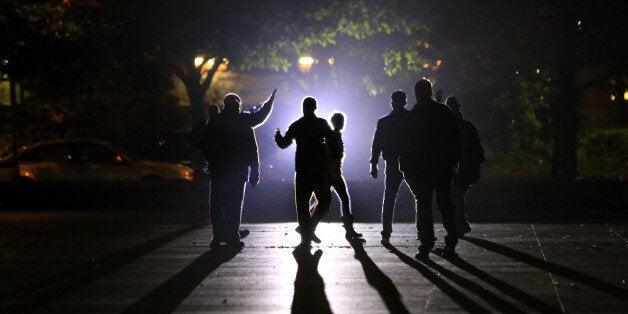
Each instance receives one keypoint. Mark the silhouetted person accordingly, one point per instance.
(428, 161)
(335, 154)
(310, 133)
(388, 141)
(230, 147)
(471, 156)
(196, 133)
(194, 138)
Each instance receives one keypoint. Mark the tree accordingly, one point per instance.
(274, 35)
(84, 83)
(493, 47)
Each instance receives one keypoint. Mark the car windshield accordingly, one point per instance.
(130, 156)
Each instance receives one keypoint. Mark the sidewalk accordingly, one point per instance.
(511, 268)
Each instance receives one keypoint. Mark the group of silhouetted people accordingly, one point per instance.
(423, 146)
(318, 167)
(431, 147)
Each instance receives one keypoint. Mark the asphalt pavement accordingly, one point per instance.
(147, 251)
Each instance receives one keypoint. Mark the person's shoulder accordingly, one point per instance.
(296, 122)
(440, 105)
(396, 114)
(321, 121)
(244, 115)
(467, 124)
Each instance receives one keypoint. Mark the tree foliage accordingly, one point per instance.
(274, 35)
(495, 48)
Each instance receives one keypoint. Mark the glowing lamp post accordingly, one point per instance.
(305, 63)
(198, 62)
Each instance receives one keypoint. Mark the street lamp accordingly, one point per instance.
(198, 61)
(305, 63)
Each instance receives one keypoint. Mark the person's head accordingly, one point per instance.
(452, 103)
(423, 89)
(233, 104)
(309, 106)
(212, 111)
(398, 99)
(338, 120)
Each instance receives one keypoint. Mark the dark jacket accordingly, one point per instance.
(230, 147)
(388, 138)
(432, 145)
(472, 152)
(310, 133)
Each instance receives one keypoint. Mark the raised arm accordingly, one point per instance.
(258, 118)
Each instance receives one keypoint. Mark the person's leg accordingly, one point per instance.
(215, 213)
(422, 190)
(340, 186)
(458, 192)
(233, 211)
(302, 194)
(393, 181)
(448, 212)
(322, 191)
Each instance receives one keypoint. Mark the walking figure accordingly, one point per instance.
(335, 154)
(388, 141)
(428, 161)
(471, 156)
(311, 173)
(230, 148)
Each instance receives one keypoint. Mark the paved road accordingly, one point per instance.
(143, 262)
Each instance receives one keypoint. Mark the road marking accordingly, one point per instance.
(538, 242)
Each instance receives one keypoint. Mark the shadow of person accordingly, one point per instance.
(167, 296)
(556, 269)
(465, 302)
(503, 286)
(498, 302)
(378, 280)
(309, 287)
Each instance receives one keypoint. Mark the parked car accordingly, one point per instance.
(90, 160)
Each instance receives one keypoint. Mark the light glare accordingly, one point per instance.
(307, 60)
(198, 61)
(305, 63)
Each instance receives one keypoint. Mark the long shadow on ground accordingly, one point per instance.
(167, 297)
(56, 286)
(309, 287)
(465, 302)
(376, 278)
(503, 286)
(556, 269)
